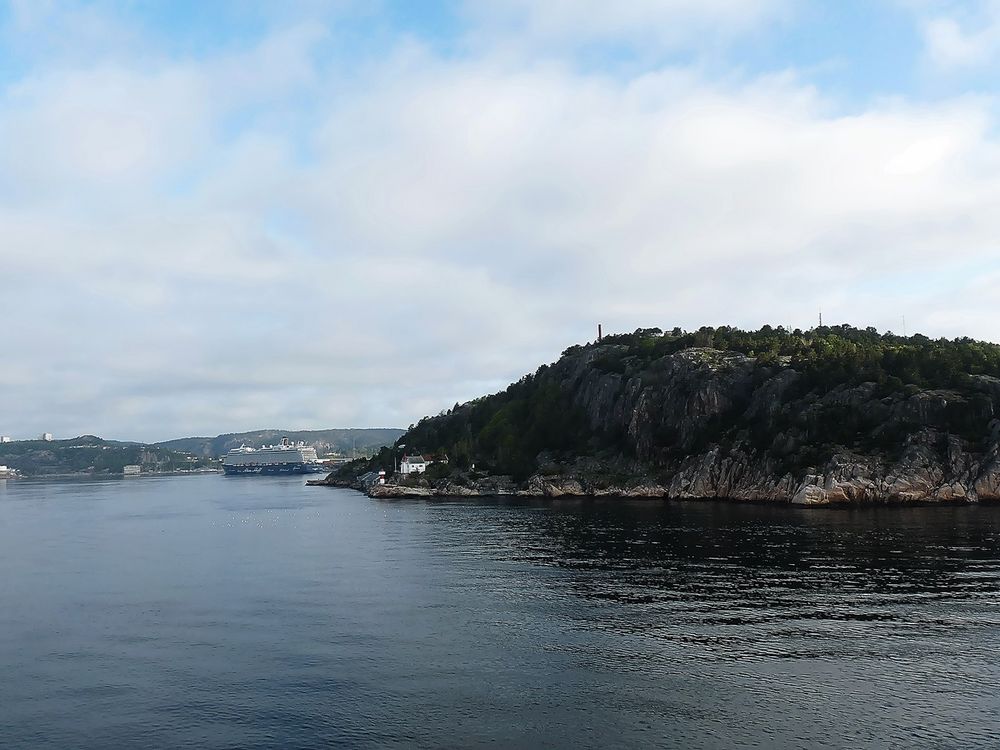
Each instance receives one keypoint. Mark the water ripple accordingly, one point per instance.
(201, 613)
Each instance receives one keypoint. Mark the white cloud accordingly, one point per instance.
(961, 35)
(686, 24)
(104, 126)
(188, 248)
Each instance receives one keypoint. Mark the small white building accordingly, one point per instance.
(132, 470)
(4, 438)
(47, 437)
(415, 464)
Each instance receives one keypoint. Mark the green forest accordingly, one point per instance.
(829, 355)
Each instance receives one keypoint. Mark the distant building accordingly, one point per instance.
(4, 438)
(47, 437)
(132, 470)
(415, 464)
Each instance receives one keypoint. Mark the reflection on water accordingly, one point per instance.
(764, 581)
(207, 612)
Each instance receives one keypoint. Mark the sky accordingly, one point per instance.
(329, 213)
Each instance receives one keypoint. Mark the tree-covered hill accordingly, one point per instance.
(342, 441)
(88, 454)
(756, 414)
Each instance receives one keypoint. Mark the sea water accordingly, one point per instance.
(252, 612)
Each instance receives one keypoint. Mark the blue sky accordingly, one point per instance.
(854, 48)
(229, 215)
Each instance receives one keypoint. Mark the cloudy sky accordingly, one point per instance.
(221, 215)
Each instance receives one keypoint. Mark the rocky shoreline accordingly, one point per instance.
(498, 487)
(934, 469)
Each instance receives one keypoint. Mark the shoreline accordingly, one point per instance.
(541, 490)
(88, 475)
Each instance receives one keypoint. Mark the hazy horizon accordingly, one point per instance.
(141, 439)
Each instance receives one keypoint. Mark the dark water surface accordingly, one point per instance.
(213, 612)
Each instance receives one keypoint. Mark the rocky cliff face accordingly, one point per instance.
(669, 413)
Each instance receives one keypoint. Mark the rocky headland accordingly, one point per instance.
(831, 416)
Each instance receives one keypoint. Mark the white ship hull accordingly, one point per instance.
(276, 459)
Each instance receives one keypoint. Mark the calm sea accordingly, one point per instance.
(215, 612)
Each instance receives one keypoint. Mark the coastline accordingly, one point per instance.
(553, 487)
(91, 475)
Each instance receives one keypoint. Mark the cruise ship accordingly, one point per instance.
(284, 458)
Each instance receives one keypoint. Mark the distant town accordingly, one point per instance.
(45, 436)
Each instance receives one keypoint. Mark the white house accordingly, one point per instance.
(414, 464)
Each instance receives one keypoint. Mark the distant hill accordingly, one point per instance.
(91, 455)
(343, 441)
